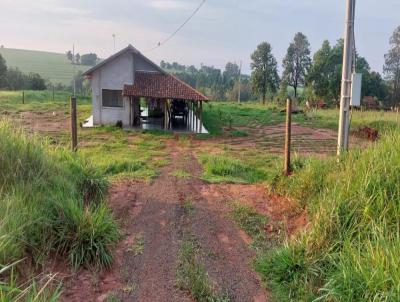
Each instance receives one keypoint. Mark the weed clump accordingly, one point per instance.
(350, 250)
(51, 202)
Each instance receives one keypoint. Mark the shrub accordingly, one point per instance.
(350, 251)
(51, 201)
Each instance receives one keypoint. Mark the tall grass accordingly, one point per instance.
(51, 202)
(223, 168)
(350, 251)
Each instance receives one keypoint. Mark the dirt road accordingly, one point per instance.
(147, 257)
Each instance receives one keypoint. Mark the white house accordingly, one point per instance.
(127, 79)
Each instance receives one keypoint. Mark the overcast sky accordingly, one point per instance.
(223, 30)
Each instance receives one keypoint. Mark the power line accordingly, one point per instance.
(159, 44)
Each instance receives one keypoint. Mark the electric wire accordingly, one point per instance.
(159, 44)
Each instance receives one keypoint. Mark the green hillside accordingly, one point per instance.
(51, 66)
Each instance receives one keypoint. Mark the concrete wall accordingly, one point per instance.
(114, 75)
(142, 65)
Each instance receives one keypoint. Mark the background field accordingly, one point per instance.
(51, 66)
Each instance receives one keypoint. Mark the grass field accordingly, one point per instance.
(51, 202)
(51, 66)
(348, 252)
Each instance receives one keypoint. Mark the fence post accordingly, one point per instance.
(288, 168)
(74, 133)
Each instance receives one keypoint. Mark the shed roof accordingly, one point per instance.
(128, 49)
(162, 86)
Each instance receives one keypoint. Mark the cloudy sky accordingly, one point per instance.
(223, 30)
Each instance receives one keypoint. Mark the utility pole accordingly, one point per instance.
(73, 67)
(288, 137)
(240, 81)
(74, 128)
(348, 56)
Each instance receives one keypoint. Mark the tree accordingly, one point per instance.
(163, 65)
(231, 74)
(91, 59)
(69, 55)
(264, 76)
(16, 79)
(35, 82)
(375, 86)
(3, 72)
(326, 72)
(297, 62)
(392, 67)
(77, 58)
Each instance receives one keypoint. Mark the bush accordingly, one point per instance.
(51, 201)
(350, 250)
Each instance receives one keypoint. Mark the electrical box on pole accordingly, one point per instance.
(356, 85)
(345, 95)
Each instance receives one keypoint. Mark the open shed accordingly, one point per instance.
(129, 88)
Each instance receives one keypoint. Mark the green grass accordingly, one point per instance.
(51, 202)
(253, 223)
(192, 276)
(111, 151)
(41, 102)
(179, 173)
(138, 246)
(238, 133)
(219, 115)
(247, 167)
(329, 118)
(51, 66)
(108, 148)
(350, 251)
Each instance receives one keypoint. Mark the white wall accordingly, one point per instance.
(113, 75)
(142, 65)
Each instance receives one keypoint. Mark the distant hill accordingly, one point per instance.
(51, 66)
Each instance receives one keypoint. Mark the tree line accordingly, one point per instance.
(319, 77)
(14, 79)
(89, 59)
(216, 83)
(306, 77)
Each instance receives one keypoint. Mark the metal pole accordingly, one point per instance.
(348, 55)
(240, 80)
(288, 137)
(201, 116)
(53, 92)
(74, 129)
(73, 67)
(23, 97)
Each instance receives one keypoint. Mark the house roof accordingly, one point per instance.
(163, 86)
(128, 49)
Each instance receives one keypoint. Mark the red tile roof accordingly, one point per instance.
(161, 86)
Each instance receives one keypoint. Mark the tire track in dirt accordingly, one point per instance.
(151, 216)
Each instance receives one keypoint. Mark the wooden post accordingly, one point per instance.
(201, 116)
(165, 115)
(288, 169)
(23, 97)
(74, 130)
(193, 117)
(196, 120)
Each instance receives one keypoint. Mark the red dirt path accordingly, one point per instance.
(153, 211)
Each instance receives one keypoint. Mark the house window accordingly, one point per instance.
(112, 98)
